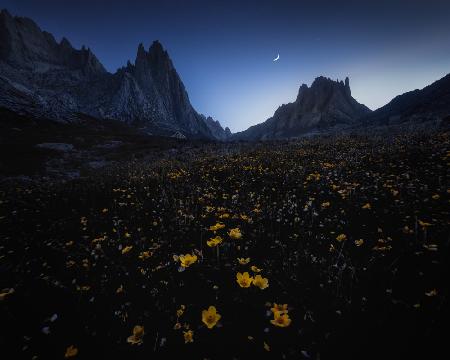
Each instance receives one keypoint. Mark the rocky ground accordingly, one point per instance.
(351, 233)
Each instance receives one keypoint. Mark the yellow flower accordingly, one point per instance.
(235, 234)
(126, 249)
(341, 237)
(71, 351)
(216, 227)
(188, 336)
(261, 282)
(279, 308)
(325, 204)
(119, 289)
(243, 261)
(424, 224)
(280, 319)
(127, 235)
(210, 317)
(244, 280)
(255, 269)
(145, 255)
(138, 334)
(435, 197)
(187, 260)
(180, 311)
(367, 206)
(214, 241)
(6, 292)
(359, 242)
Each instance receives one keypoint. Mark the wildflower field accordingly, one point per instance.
(323, 248)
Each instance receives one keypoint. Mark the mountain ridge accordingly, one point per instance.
(44, 78)
(430, 104)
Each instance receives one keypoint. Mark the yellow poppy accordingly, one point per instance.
(126, 249)
(187, 260)
(279, 308)
(244, 280)
(341, 237)
(359, 242)
(281, 319)
(216, 227)
(137, 337)
(5, 292)
(71, 351)
(235, 234)
(180, 311)
(145, 255)
(424, 224)
(262, 283)
(214, 241)
(210, 317)
(244, 261)
(188, 336)
(255, 269)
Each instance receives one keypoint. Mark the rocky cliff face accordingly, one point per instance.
(217, 129)
(44, 78)
(324, 106)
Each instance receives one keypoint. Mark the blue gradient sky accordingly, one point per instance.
(223, 50)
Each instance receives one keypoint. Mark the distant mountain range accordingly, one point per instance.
(42, 78)
(328, 107)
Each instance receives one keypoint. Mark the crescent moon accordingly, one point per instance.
(276, 59)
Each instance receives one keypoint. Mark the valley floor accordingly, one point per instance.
(350, 232)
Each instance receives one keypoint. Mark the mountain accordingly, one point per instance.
(430, 105)
(47, 79)
(326, 105)
(216, 129)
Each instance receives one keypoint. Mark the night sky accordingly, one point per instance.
(223, 50)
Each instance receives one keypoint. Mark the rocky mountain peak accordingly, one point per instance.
(301, 91)
(347, 86)
(23, 45)
(156, 48)
(326, 104)
(65, 44)
(216, 129)
(52, 79)
(141, 53)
